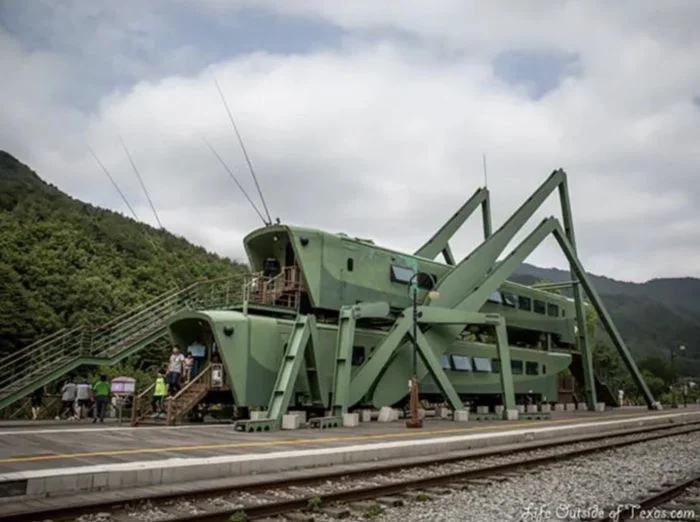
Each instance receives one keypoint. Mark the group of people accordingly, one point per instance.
(78, 400)
(180, 369)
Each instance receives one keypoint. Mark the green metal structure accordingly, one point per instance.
(326, 323)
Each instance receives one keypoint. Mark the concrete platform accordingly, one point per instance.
(62, 444)
(65, 460)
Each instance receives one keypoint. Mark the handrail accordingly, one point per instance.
(202, 374)
(43, 343)
(27, 351)
(135, 409)
(109, 338)
(173, 410)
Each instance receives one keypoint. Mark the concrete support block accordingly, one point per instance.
(599, 406)
(531, 408)
(291, 422)
(461, 416)
(582, 406)
(444, 413)
(258, 415)
(558, 407)
(545, 408)
(396, 415)
(499, 409)
(482, 409)
(386, 414)
(301, 414)
(351, 420)
(570, 406)
(421, 413)
(512, 414)
(521, 408)
(365, 415)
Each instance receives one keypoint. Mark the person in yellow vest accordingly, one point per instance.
(159, 393)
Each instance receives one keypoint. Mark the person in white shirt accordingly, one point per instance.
(174, 371)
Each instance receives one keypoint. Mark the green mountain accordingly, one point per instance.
(652, 317)
(65, 263)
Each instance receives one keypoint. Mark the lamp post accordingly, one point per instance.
(681, 348)
(414, 421)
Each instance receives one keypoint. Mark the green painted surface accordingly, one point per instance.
(252, 374)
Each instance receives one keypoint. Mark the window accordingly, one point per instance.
(531, 368)
(358, 355)
(552, 310)
(544, 369)
(495, 366)
(524, 303)
(445, 362)
(508, 299)
(482, 364)
(539, 307)
(563, 312)
(496, 298)
(516, 367)
(351, 264)
(462, 363)
(400, 274)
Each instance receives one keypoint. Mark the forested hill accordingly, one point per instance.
(64, 263)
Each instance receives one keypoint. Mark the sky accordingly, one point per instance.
(370, 118)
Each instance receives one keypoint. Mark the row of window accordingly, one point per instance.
(466, 363)
(525, 303)
(400, 274)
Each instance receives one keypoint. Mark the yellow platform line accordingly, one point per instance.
(286, 442)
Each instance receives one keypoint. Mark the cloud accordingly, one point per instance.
(373, 121)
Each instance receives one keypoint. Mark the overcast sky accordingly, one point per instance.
(369, 117)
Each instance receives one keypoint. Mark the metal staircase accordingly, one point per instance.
(175, 407)
(48, 359)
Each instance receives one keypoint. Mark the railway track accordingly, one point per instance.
(679, 502)
(362, 490)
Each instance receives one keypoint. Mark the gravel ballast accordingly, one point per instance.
(574, 490)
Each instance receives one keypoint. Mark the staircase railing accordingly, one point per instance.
(110, 339)
(137, 410)
(175, 405)
(263, 289)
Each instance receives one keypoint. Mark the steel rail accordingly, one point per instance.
(633, 509)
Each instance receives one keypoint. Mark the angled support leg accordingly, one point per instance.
(316, 385)
(341, 379)
(581, 326)
(440, 241)
(506, 372)
(606, 319)
(347, 322)
(367, 375)
(432, 363)
(303, 333)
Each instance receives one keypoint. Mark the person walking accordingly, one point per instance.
(37, 401)
(82, 395)
(100, 389)
(67, 400)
